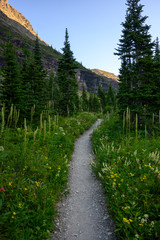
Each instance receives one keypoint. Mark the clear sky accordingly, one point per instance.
(94, 26)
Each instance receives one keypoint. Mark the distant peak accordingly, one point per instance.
(105, 74)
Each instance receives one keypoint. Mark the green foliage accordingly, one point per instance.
(127, 161)
(11, 84)
(85, 103)
(66, 81)
(34, 169)
(111, 97)
(101, 95)
(138, 86)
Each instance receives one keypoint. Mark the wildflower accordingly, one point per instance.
(137, 236)
(146, 215)
(37, 183)
(126, 220)
(12, 217)
(127, 207)
(59, 168)
(10, 183)
(130, 220)
(49, 168)
(122, 180)
(19, 205)
(140, 224)
(131, 174)
(1, 148)
(2, 189)
(14, 213)
(25, 189)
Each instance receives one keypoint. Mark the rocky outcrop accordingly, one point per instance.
(92, 81)
(18, 17)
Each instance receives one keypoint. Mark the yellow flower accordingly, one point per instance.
(130, 220)
(59, 168)
(122, 180)
(140, 224)
(37, 183)
(20, 205)
(10, 183)
(12, 216)
(14, 213)
(25, 189)
(131, 174)
(49, 168)
(126, 220)
(114, 183)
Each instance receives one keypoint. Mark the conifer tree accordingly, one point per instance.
(157, 51)
(110, 97)
(137, 84)
(27, 99)
(84, 99)
(38, 77)
(11, 84)
(157, 73)
(101, 95)
(66, 81)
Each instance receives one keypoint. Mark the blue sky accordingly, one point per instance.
(94, 26)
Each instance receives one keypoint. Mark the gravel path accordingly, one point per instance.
(83, 213)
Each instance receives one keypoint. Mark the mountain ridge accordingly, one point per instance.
(105, 74)
(15, 15)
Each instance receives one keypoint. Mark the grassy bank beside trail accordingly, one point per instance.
(129, 168)
(34, 169)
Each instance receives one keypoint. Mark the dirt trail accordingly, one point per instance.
(83, 213)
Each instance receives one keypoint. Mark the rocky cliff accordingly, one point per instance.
(92, 81)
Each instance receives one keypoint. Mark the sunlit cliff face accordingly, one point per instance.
(12, 13)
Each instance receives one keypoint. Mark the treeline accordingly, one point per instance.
(30, 88)
(140, 64)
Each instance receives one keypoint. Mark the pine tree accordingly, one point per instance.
(157, 72)
(157, 51)
(110, 97)
(27, 99)
(11, 84)
(101, 95)
(39, 76)
(84, 99)
(137, 87)
(66, 81)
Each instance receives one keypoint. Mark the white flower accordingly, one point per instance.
(1, 148)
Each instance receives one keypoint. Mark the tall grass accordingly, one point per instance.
(34, 168)
(129, 167)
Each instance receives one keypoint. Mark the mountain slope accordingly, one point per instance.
(13, 14)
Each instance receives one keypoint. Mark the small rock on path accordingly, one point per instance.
(83, 213)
